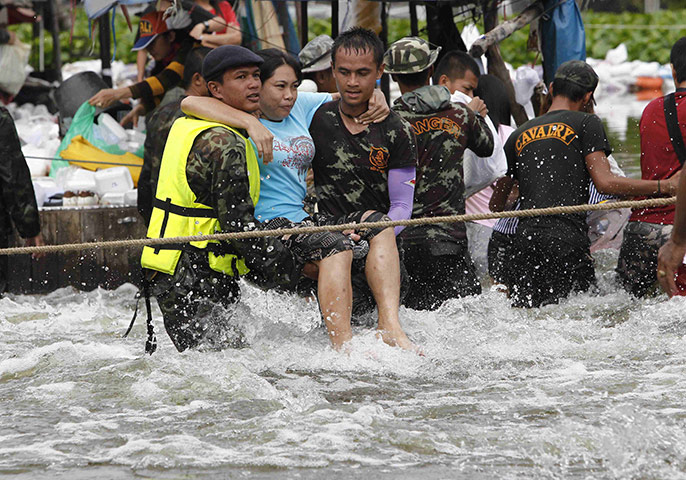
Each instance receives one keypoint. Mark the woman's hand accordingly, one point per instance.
(107, 96)
(264, 140)
(377, 111)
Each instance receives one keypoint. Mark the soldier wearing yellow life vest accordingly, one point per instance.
(209, 183)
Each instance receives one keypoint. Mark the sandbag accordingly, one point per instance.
(480, 172)
(82, 125)
(13, 61)
(82, 153)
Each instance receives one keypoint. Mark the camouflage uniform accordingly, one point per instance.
(351, 177)
(17, 198)
(192, 299)
(443, 131)
(637, 261)
(158, 126)
(409, 55)
(316, 55)
(351, 171)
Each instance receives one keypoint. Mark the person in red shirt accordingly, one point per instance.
(650, 228)
(230, 34)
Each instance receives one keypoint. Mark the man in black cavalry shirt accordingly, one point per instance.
(554, 157)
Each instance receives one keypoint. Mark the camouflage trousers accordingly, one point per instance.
(197, 304)
(637, 264)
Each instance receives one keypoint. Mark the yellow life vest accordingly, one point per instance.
(176, 212)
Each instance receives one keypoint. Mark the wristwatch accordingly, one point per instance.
(207, 24)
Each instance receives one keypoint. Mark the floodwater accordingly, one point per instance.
(592, 388)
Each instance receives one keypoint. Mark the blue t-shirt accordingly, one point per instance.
(282, 182)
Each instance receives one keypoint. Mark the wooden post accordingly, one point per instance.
(41, 37)
(334, 19)
(105, 48)
(385, 79)
(414, 24)
(56, 47)
(504, 30)
(496, 64)
(304, 37)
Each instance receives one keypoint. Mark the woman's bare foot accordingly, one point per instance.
(398, 338)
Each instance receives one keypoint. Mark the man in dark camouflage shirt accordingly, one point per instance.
(158, 127)
(217, 173)
(353, 169)
(17, 198)
(436, 256)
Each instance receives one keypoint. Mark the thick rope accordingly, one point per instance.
(653, 202)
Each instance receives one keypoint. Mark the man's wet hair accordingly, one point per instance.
(454, 65)
(678, 58)
(193, 64)
(567, 89)
(273, 59)
(417, 79)
(359, 40)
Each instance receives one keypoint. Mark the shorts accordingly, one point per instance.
(499, 257)
(433, 279)
(312, 247)
(197, 304)
(545, 269)
(637, 263)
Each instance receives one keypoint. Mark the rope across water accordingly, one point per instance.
(653, 202)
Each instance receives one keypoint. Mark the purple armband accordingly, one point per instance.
(401, 193)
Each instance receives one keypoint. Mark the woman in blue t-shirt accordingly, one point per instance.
(286, 147)
(287, 115)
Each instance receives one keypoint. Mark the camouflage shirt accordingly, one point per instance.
(444, 130)
(17, 198)
(351, 171)
(158, 126)
(218, 175)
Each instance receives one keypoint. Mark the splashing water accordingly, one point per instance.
(591, 388)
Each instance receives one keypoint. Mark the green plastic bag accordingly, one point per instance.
(82, 124)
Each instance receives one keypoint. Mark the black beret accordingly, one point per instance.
(222, 58)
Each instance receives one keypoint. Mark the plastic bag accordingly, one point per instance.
(13, 61)
(83, 124)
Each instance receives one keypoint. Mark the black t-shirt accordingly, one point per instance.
(351, 171)
(547, 156)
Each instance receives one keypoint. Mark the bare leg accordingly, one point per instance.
(383, 276)
(335, 294)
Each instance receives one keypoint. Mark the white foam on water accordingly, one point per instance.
(591, 388)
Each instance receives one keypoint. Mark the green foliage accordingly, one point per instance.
(81, 46)
(397, 28)
(651, 43)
